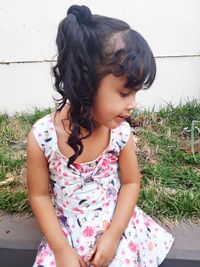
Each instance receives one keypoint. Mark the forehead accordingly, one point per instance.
(113, 81)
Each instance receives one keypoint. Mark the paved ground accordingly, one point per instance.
(19, 239)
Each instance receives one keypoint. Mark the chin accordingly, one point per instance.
(112, 124)
(115, 125)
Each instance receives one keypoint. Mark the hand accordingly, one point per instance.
(69, 258)
(104, 250)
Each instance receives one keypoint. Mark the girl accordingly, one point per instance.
(86, 150)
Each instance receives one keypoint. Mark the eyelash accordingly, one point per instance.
(123, 95)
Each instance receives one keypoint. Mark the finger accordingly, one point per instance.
(95, 265)
(91, 254)
(93, 251)
(96, 261)
(82, 262)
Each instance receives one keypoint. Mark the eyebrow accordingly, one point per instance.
(124, 87)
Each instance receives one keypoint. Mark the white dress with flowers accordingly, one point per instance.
(85, 198)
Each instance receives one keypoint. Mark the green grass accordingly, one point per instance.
(168, 151)
(171, 172)
(14, 202)
(13, 133)
(13, 137)
(30, 118)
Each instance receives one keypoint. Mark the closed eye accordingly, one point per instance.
(124, 95)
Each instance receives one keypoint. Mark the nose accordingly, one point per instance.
(131, 105)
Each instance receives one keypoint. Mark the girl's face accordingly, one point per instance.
(113, 101)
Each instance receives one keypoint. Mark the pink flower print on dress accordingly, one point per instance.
(132, 246)
(105, 164)
(134, 214)
(88, 231)
(150, 246)
(78, 210)
(147, 221)
(39, 261)
(43, 253)
(77, 166)
(81, 248)
(113, 159)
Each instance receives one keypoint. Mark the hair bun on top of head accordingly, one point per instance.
(82, 13)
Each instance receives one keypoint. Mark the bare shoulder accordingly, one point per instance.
(37, 168)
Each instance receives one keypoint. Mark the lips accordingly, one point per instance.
(123, 117)
(120, 118)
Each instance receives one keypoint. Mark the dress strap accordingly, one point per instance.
(44, 134)
(122, 134)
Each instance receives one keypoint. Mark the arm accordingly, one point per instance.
(129, 191)
(40, 201)
(106, 245)
(42, 206)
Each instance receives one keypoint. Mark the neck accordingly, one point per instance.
(63, 114)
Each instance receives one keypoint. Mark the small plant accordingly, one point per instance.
(194, 129)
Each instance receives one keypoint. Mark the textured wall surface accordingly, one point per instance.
(27, 45)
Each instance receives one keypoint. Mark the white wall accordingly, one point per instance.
(27, 45)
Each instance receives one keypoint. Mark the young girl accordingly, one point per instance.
(86, 150)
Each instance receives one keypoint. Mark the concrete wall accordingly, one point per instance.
(27, 45)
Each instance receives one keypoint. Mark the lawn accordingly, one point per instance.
(168, 150)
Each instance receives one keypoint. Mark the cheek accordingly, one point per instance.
(101, 108)
(104, 110)
(107, 104)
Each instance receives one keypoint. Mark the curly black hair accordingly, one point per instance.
(90, 47)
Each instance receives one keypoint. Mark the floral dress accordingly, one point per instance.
(85, 197)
